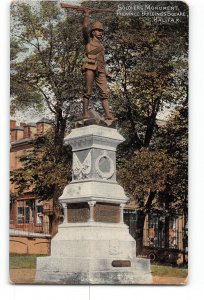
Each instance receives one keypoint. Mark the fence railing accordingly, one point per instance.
(155, 235)
(156, 238)
(30, 228)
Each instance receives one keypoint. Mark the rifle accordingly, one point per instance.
(81, 8)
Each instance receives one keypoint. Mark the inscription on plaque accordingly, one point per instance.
(109, 213)
(78, 212)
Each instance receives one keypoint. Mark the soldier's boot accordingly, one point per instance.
(85, 108)
(107, 115)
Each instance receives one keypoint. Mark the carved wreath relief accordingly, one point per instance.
(81, 170)
(104, 166)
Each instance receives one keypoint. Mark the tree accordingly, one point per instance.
(46, 54)
(48, 71)
(175, 140)
(150, 66)
(143, 176)
(149, 63)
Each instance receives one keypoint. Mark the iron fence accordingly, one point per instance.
(156, 237)
(29, 229)
(156, 233)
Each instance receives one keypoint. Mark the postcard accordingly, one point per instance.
(99, 142)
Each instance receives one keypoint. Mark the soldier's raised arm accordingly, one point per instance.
(85, 25)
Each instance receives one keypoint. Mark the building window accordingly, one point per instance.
(20, 215)
(173, 233)
(39, 214)
(159, 231)
(155, 232)
(25, 212)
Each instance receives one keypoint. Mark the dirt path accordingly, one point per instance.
(169, 280)
(22, 275)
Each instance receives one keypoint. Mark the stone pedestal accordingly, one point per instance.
(93, 245)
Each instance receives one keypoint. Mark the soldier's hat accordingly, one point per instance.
(96, 25)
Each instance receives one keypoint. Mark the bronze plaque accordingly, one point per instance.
(78, 212)
(109, 213)
(121, 263)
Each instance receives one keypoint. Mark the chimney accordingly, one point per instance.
(30, 130)
(12, 124)
(22, 124)
(16, 133)
(43, 126)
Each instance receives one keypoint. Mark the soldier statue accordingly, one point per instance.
(94, 67)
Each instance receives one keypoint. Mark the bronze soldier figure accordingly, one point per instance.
(94, 67)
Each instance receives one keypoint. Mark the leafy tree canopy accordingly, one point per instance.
(45, 59)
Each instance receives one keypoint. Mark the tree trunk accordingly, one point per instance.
(59, 133)
(166, 223)
(151, 123)
(139, 231)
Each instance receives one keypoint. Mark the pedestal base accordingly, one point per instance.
(123, 276)
(84, 253)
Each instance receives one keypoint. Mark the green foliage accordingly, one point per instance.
(162, 169)
(174, 138)
(46, 54)
(147, 170)
(149, 64)
(145, 175)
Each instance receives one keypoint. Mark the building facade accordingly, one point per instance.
(27, 213)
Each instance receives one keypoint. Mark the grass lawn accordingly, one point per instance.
(166, 271)
(22, 261)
